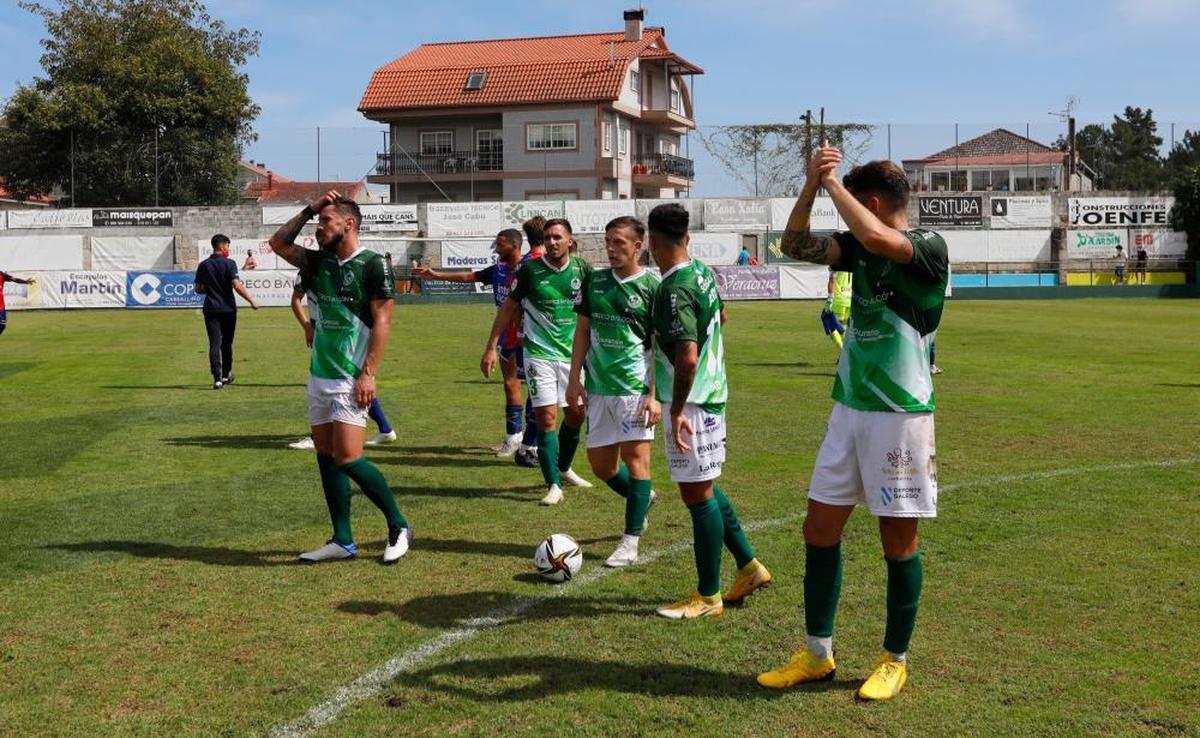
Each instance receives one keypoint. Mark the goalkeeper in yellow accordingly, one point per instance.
(836, 314)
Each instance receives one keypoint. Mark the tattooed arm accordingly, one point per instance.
(798, 241)
(283, 243)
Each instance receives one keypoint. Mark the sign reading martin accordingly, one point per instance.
(955, 211)
(132, 217)
(1021, 212)
(1097, 244)
(1108, 212)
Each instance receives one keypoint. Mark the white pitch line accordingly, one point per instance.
(372, 682)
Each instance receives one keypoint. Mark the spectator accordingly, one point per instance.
(217, 279)
(1140, 268)
(1119, 272)
(744, 257)
(250, 263)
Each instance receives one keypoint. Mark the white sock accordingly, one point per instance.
(901, 657)
(525, 448)
(820, 647)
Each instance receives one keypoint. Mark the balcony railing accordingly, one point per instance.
(398, 163)
(664, 164)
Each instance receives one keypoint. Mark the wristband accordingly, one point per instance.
(308, 211)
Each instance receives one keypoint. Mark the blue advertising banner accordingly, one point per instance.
(161, 290)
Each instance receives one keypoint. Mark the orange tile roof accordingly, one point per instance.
(548, 69)
(297, 192)
(260, 170)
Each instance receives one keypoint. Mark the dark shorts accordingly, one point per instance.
(3, 317)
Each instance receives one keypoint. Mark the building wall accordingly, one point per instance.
(520, 189)
(517, 159)
(408, 136)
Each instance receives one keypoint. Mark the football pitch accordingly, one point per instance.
(149, 527)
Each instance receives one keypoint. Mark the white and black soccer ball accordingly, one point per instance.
(558, 557)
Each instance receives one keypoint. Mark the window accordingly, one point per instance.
(666, 146)
(635, 82)
(980, 180)
(489, 149)
(475, 81)
(1000, 180)
(606, 132)
(675, 94)
(1036, 178)
(435, 143)
(939, 181)
(550, 136)
(623, 139)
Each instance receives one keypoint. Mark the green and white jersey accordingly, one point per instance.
(894, 315)
(688, 308)
(618, 360)
(339, 301)
(548, 297)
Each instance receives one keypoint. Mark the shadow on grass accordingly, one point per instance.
(207, 386)
(214, 555)
(524, 494)
(464, 609)
(257, 441)
(9, 368)
(1184, 386)
(538, 677)
(33, 454)
(488, 548)
(790, 364)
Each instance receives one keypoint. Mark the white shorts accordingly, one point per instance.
(333, 401)
(616, 419)
(547, 380)
(884, 461)
(703, 460)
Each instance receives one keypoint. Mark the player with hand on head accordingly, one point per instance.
(879, 444)
(501, 277)
(690, 377)
(614, 339)
(545, 294)
(353, 297)
(301, 290)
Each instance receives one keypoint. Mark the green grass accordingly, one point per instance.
(148, 527)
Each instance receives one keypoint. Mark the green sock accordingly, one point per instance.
(822, 586)
(903, 593)
(636, 505)
(706, 541)
(620, 482)
(337, 498)
(368, 477)
(548, 456)
(735, 537)
(568, 441)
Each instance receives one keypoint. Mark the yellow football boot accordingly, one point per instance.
(695, 606)
(750, 578)
(804, 667)
(886, 681)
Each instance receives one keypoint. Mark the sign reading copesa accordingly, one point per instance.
(959, 211)
(161, 290)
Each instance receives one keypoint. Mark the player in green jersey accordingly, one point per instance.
(690, 375)
(613, 339)
(352, 315)
(879, 446)
(545, 296)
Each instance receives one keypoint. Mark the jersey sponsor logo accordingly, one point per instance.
(933, 468)
(891, 494)
(711, 422)
(708, 448)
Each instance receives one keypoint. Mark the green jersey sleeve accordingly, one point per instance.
(377, 280)
(675, 315)
(583, 303)
(931, 258)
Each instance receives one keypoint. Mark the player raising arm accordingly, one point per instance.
(879, 446)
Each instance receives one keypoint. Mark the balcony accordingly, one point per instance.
(674, 120)
(401, 167)
(663, 170)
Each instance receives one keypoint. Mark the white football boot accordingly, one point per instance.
(381, 439)
(331, 551)
(399, 539)
(573, 479)
(510, 446)
(304, 444)
(553, 496)
(625, 554)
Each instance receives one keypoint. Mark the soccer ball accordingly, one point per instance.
(558, 558)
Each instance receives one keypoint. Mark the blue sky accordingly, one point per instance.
(921, 66)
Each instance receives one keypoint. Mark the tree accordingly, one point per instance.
(770, 159)
(148, 96)
(1185, 216)
(1135, 145)
(1184, 157)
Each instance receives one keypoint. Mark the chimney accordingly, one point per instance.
(633, 24)
(270, 180)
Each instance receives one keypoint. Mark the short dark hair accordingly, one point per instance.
(219, 239)
(534, 230)
(349, 209)
(627, 221)
(511, 235)
(881, 178)
(558, 222)
(670, 221)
